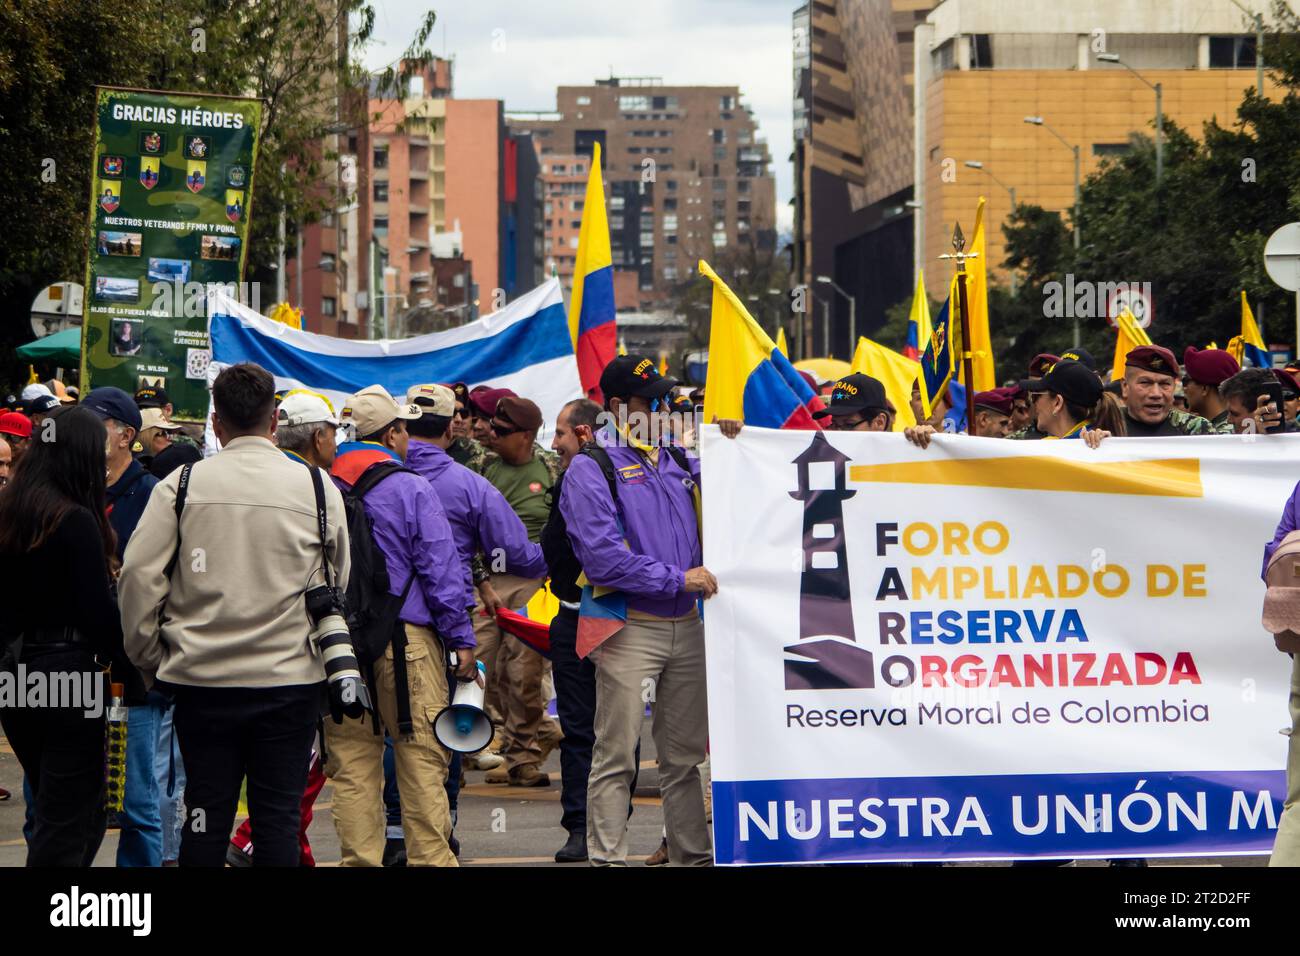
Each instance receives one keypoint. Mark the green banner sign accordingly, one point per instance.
(171, 192)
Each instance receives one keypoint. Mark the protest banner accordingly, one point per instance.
(171, 191)
(991, 649)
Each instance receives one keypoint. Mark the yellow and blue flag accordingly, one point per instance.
(748, 377)
(1249, 345)
(591, 304)
(896, 372)
(918, 321)
(939, 355)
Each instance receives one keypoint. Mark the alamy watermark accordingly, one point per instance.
(1089, 300)
(69, 690)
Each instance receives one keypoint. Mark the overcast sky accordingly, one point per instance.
(519, 51)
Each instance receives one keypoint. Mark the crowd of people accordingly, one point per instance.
(303, 604)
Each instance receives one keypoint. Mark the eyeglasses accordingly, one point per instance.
(502, 430)
(462, 412)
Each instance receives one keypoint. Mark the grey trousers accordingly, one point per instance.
(1286, 846)
(660, 662)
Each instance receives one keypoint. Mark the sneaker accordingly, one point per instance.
(4, 794)
(498, 774)
(394, 852)
(238, 858)
(660, 856)
(528, 776)
(575, 850)
(483, 760)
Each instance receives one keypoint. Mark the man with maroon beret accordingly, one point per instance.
(993, 413)
(1150, 374)
(1205, 371)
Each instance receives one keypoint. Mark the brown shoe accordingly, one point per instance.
(497, 775)
(529, 776)
(660, 856)
(548, 738)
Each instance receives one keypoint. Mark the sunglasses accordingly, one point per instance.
(502, 431)
(462, 412)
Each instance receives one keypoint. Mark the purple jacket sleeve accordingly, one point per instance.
(443, 576)
(502, 534)
(593, 525)
(1285, 526)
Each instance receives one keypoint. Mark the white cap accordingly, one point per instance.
(153, 418)
(31, 391)
(302, 407)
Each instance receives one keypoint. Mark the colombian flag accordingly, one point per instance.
(591, 304)
(748, 378)
(1249, 346)
(918, 323)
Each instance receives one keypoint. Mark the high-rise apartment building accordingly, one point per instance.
(686, 173)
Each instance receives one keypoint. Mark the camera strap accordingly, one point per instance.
(318, 485)
(182, 488)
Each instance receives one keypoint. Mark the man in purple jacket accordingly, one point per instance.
(645, 544)
(481, 519)
(412, 533)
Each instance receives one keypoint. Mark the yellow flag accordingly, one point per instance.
(977, 301)
(1128, 336)
(896, 372)
(780, 342)
(286, 314)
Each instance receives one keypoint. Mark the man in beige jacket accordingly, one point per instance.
(228, 631)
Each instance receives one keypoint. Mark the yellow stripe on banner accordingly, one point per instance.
(1157, 477)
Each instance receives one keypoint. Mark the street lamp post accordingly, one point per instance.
(1160, 110)
(975, 164)
(853, 317)
(1078, 231)
(1258, 19)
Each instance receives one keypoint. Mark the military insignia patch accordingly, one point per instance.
(112, 167)
(151, 142)
(110, 195)
(149, 170)
(196, 175)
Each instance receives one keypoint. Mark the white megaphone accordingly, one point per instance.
(463, 727)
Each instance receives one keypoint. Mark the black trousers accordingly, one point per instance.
(61, 751)
(227, 734)
(575, 705)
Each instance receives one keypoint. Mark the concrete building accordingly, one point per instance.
(852, 162)
(982, 66)
(686, 173)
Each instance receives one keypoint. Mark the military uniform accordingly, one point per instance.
(468, 452)
(1029, 433)
(1179, 422)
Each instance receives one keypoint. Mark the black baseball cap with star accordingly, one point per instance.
(855, 393)
(629, 376)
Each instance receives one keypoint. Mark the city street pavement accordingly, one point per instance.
(498, 826)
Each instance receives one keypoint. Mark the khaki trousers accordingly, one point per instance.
(356, 763)
(660, 661)
(514, 675)
(1286, 846)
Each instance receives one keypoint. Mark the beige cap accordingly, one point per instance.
(372, 409)
(440, 397)
(153, 418)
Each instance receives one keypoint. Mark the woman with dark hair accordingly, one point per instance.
(57, 547)
(1070, 402)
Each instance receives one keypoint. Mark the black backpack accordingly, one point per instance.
(373, 611)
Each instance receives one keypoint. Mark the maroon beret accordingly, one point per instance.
(1210, 366)
(1153, 358)
(996, 400)
(485, 399)
(521, 413)
(1287, 380)
(1012, 392)
(1040, 363)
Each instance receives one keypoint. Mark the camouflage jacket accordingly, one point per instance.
(1029, 433)
(478, 564)
(548, 458)
(1179, 422)
(468, 452)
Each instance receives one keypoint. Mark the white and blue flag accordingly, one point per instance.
(524, 347)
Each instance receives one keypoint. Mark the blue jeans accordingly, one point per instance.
(141, 839)
(169, 770)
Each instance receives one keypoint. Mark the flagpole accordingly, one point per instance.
(967, 364)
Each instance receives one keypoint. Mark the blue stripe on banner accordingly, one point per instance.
(597, 299)
(529, 341)
(768, 398)
(938, 818)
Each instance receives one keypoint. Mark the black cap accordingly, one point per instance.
(854, 393)
(1082, 356)
(41, 404)
(172, 457)
(152, 396)
(110, 402)
(1073, 381)
(634, 375)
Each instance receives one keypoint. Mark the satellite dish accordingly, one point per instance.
(1282, 257)
(56, 308)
